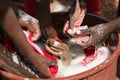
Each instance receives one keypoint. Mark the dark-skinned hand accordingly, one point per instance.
(33, 26)
(44, 64)
(96, 33)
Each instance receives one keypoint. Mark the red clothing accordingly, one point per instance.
(93, 6)
(52, 69)
(30, 7)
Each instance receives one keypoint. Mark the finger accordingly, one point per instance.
(88, 43)
(10, 75)
(21, 22)
(48, 49)
(85, 31)
(37, 32)
(65, 27)
(29, 26)
(80, 17)
(78, 42)
(36, 36)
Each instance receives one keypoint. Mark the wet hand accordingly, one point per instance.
(52, 46)
(75, 22)
(32, 26)
(42, 64)
(96, 33)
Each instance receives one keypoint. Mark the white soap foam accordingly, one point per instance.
(75, 67)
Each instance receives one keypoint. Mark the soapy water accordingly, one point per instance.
(76, 65)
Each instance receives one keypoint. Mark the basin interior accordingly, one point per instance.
(59, 20)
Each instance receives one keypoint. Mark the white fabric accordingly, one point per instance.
(26, 17)
(27, 33)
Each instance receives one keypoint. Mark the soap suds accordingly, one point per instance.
(75, 67)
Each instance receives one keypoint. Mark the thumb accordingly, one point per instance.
(65, 27)
(85, 31)
(88, 43)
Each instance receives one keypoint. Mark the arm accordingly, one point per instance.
(14, 31)
(99, 32)
(31, 24)
(27, 21)
(45, 18)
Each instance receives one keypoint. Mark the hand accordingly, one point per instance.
(52, 42)
(12, 28)
(42, 64)
(66, 27)
(48, 49)
(76, 20)
(32, 26)
(97, 34)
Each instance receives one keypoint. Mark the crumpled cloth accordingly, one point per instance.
(88, 51)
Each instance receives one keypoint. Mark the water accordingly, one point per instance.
(76, 65)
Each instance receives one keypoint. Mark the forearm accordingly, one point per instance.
(14, 31)
(45, 18)
(113, 25)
